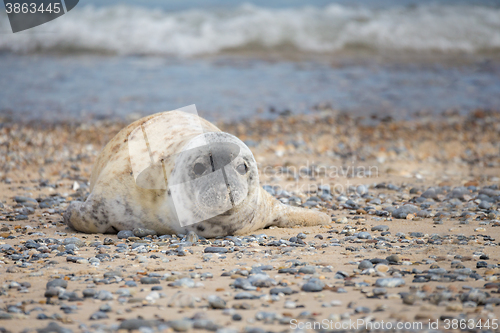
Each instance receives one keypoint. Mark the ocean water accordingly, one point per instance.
(238, 59)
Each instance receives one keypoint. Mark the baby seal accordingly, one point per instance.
(175, 172)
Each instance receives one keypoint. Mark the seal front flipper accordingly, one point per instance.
(286, 216)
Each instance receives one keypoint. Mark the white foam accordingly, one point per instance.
(131, 30)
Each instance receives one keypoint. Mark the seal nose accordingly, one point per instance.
(222, 153)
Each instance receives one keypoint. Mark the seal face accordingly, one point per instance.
(174, 172)
(211, 179)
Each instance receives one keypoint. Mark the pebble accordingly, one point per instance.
(390, 282)
(149, 280)
(182, 300)
(57, 283)
(402, 212)
(211, 249)
(99, 315)
(103, 295)
(365, 264)
(216, 302)
(443, 284)
(307, 270)
(124, 234)
(284, 290)
(136, 324)
(313, 285)
(53, 327)
(143, 232)
(181, 325)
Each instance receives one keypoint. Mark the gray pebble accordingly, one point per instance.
(57, 283)
(104, 295)
(402, 212)
(181, 325)
(381, 227)
(365, 264)
(307, 270)
(284, 290)
(213, 249)
(149, 280)
(73, 240)
(313, 285)
(124, 234)
(364, 235)
(216, 302)
(135, 324)
(99, 315)
(53, 327)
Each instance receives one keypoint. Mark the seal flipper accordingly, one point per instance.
(81, 216)
(287, 216)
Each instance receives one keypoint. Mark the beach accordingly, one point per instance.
(413, 239)
(384, 115)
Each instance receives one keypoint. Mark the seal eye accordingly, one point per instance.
(199, 169)
(242, 169)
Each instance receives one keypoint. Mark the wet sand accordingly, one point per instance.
(432, 183)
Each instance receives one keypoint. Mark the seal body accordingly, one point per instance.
(175, 172)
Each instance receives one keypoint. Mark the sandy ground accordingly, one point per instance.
(454, 151)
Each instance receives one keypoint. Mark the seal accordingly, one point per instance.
(175, 172)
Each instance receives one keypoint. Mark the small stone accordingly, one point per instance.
(104, 295)
(124, 234)
(409, 299)
(455, 307)
(135, 324)
(381, 268)
(307, 270)
(393, 259)
(181, 325)
(285, 291)
(365, 264)
(5, 316)
(73, 240)
(183, 283)
(313, 285)
(379, 291)
(390, 282)
(149, 280)
(192, 237)
(57, 283)
(481, 264)
(216, 302)
(182, 300)
(404, 211)
(380, 228)
(12, 269)
(364, 235)
(213, 249)
(53, 327)
(99, 315)
(362, 309)
(142, 232)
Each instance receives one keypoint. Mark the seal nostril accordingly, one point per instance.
(199, 168)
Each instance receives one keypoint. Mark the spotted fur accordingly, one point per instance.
(117, 203)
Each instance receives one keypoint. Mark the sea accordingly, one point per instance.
(242, 59)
